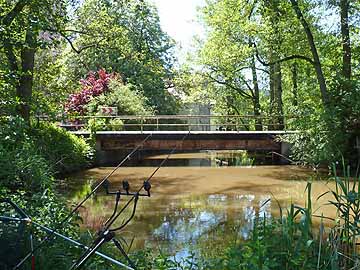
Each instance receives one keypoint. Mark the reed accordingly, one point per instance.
(292, 242)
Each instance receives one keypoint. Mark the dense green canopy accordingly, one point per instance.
(275, 58)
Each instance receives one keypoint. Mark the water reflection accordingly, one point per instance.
(210, 158)
(184, 221)
(195, 207)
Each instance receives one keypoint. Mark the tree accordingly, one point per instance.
(24, 26)
(228, 57)
(345, 37)
(123, 37)
(314, 52)
(302, 66)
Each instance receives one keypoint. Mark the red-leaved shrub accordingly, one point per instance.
(94, 85)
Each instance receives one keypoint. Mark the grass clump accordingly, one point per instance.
(292, 242)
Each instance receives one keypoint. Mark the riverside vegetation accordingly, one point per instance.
(264, 58)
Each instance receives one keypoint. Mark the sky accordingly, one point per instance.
(179, 19)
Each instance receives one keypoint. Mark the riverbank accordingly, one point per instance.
(31, 160)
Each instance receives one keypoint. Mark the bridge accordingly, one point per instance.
(117, 135)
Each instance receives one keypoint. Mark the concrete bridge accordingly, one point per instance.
(205, 132)
(112, 145)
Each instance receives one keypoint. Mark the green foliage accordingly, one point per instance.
(327, 135)
(20, 166)
(346, 199)
(30, 156)
(146, 260)
(64, 152)
(317, 144)
(126, 38)
(250, 43)
(27, 28)
(125, 98)
(28, 159)
(45, 208)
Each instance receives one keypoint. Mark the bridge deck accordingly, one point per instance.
(195, 140)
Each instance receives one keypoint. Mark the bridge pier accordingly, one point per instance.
(285, 152)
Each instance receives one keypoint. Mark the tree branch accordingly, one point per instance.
(287, 58)
(78, 51)
(248, 86)
(68, 30)
(239, 91)
(263, 70)
(19, 6)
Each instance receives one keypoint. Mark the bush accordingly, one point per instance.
(94, 85)
(321, 139)
(47, 209)
(65, 152)
(21, 167)
(28, 159)
(125, 97)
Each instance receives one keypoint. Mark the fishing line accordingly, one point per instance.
(106, 234)
(28, 221)
(51, 234)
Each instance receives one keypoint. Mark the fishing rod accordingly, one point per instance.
(24, 218)
(107, 234)
(70, 215)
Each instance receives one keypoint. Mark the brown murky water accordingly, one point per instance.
(194, 205)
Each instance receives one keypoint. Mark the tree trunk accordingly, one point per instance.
(317, 63)
(271, 121)
(24, 88)
(256, 95)
(278, 96)
(294, 77)
(345, 36)
(272, 88)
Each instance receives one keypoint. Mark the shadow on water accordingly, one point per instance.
(207, 158)
(196, 205)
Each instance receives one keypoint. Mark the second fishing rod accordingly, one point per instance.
(106, 233)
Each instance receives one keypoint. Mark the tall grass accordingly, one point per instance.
(344, 236)
(293, 242)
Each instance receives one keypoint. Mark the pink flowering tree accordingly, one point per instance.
(95, 84)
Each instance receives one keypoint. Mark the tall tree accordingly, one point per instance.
(124, 37)
(314, 51)
(345, 37)
(23, 24)
(228, 55)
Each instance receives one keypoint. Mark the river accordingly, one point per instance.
(199, 199)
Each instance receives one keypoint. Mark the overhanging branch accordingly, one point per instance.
(78, 51)
(287, 58)
(239, 91)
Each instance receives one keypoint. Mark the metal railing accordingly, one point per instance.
(177, 122)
